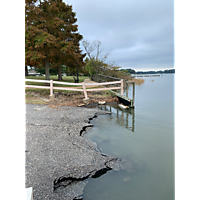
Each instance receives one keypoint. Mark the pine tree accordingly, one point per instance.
(51, 34)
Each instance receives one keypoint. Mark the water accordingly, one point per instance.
(144, 138)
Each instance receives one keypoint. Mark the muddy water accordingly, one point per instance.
(144, 139)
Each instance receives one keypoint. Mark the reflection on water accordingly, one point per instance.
(125, 118)
(143, 138)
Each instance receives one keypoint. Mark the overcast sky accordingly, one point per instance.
(138, 34)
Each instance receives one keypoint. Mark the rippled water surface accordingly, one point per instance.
(144, 138)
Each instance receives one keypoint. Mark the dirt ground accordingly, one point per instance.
(68, 99)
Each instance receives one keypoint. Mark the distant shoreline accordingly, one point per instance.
(147, 75)
(166, 71)
(169, 71)
(152, 73)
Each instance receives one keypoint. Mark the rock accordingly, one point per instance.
(102, 102)
(86, 101)
(80, 105)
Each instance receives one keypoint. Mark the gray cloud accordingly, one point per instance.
(137, 33)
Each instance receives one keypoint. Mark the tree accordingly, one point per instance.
(96, 61)
(51, 35)
(93, 50)
(92, 66)
(32, 56)
(130, 71)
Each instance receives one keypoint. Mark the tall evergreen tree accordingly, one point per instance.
(51, 34)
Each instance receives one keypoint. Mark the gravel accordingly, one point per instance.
(58, 159)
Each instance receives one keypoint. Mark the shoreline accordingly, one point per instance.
(58, 158)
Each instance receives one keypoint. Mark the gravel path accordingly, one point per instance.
(58, 158)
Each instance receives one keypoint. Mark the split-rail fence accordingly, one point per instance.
(84, 89)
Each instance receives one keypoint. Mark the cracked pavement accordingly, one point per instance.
(58, 158)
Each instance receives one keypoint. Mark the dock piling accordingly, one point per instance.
(133, 93)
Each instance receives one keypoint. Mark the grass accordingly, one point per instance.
(55, 78)
(46, 92)
(36, 101)
(69, 79)
(138, 81)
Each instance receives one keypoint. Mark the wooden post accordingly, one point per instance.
(126, 88)
(127, 120)
(84, 90)
(51, 88)
(122, 90)
(133, 93)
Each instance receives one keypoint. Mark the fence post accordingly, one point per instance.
(51, 88)
(84, 90)
(122, 90)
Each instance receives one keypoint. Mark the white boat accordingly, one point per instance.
(102, 102)
(122, 106)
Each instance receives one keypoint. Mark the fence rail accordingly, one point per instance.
(84, 89)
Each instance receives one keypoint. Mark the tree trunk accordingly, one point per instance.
(47, 68)
(59, 73)
(26, 70)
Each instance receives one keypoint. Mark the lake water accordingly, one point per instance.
(144, 138)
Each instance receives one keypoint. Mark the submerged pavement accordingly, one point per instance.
(58, 158)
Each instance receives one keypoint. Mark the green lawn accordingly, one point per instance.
(69, 79)
(31, 92)
(55, 78)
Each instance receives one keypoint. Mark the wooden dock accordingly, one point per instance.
(122, 99)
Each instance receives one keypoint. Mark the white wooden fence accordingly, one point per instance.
(51, 87)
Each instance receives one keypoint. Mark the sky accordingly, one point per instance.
(137, 34)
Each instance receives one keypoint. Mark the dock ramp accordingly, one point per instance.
(122, 99)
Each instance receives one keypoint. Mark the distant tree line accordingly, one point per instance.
(131, 71)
